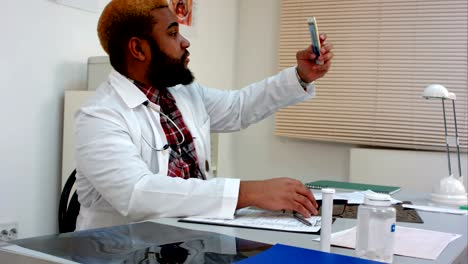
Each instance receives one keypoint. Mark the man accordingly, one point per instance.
(143, 140)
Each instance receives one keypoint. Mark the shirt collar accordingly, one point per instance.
(153, 94)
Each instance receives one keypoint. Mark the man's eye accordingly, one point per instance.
(173, 34)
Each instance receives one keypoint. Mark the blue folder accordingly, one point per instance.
(287, 254)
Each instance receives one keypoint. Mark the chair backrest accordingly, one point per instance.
(68, 208)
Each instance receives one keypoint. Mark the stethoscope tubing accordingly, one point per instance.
(146, 103)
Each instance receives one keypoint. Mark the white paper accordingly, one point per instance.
(436, 209)
(352, 197)
(409, 242)
(263, 219)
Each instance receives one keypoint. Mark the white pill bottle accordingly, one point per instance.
(375, 234)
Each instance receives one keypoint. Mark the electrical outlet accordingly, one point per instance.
(8, 231)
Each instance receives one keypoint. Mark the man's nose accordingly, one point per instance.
(185, 43)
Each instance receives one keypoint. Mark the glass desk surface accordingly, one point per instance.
(145, 242)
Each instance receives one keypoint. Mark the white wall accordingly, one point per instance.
(44, 51)
(259, 154)
(413, 170)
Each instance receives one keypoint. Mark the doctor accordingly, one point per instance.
(143, 140)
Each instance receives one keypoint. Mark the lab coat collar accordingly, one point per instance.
(129, 92)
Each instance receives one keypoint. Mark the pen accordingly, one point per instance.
(301, 219)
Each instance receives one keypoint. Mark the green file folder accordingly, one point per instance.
(352, 186)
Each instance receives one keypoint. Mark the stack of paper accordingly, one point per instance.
(262, 219)
(436, 209)
(410, 242)
(352, 197)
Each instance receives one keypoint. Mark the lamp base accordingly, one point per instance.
(450, 190)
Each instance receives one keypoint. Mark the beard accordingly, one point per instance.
(164, 71)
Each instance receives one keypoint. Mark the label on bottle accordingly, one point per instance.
(392, 229)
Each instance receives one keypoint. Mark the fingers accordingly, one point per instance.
(278, 194)
(308, 194)
(299, 208)
(326, 57)
(305, 198)
(323, 38)
(306, 54)
(326, 48)
(325, 53)
(305, 203)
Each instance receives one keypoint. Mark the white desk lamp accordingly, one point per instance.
(450, 190)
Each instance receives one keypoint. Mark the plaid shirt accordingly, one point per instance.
(183, 161)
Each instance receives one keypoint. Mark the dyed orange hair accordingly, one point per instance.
(120, 21)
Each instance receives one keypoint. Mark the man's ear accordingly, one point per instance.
(138, 48)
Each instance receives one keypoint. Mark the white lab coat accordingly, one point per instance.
(121, 179)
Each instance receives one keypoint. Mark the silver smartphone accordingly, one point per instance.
(314, 35)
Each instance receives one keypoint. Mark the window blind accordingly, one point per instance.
(386, 53)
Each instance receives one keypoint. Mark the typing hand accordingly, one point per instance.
(278, 194)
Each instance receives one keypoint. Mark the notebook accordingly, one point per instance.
(288, 254)
(352, 186)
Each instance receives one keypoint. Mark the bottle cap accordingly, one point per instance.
(328, 190)
(378, 199)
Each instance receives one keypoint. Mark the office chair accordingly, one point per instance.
(68, 210)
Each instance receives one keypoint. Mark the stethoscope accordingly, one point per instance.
(150, 106)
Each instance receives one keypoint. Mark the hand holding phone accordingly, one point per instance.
(314, 34)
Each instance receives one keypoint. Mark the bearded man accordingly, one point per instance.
(143, 140)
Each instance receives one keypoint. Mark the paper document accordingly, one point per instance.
(352, 197)
(436, 209)
(410, 242)
(263, 220)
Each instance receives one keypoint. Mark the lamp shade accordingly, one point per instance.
(438, 91)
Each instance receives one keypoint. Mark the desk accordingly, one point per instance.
(456, 252)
